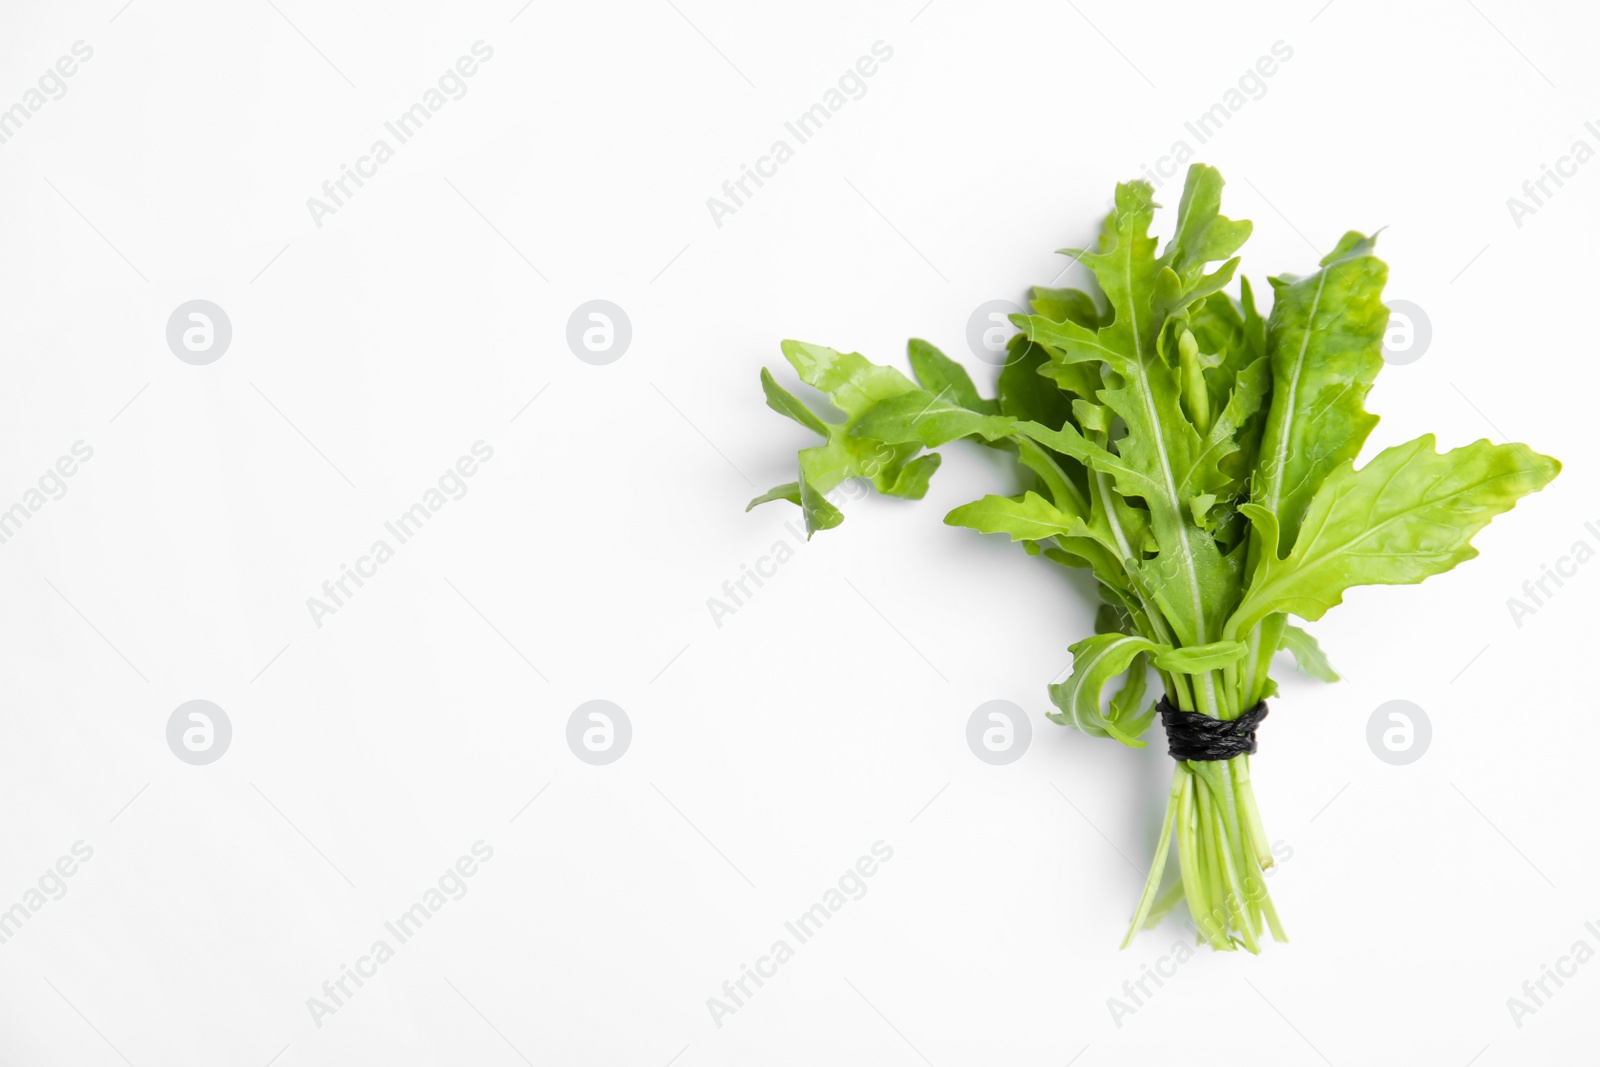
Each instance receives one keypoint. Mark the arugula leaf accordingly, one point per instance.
(1307, 654)
(1326, 339)
(1033, 518)
(929, 419)
(1024, 391)
(941, 375)
(1408, 514)
(789, 491)
(1095, 661)
(1027, 518)
(851, 381)
(1041, 462)
(855, 386)
(1065, 305)
(784, 402)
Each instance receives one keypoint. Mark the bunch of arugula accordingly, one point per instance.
(1199, 459)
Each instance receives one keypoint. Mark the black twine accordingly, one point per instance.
(1193, 736)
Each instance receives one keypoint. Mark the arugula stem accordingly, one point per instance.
(1164, 904)
(1158, 865)
(1272, 917)
(1240, 768)
(1214, 920)
(1189, 868)
(1236, 896)
(1222, 856)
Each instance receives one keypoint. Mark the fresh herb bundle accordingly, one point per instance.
(1199, 459)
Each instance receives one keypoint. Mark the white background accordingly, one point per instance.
(829, 712)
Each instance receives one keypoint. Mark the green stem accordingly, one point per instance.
(1194, 882)
(1232, 857)
(1213, 928)
(1240, 768)
(1164, 904)
(1262, 645)
(1158, 865)
(1222, 856)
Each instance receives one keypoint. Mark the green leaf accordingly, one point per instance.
(855, 386)
(1069, 442)
(784, 402)
(789, 491)
(929, 419)
(1199, 658)
(1211, 469)
(819, 513)
(1064, 305)
(1202, 234)
(1325, 339)
(1307, 654)
(1063, 491)
(1125, 710)
(1111, 617)
(943, 376)
(1255, 327)
(843, 457)
(851, 381)
(1095, 661)
(1025, 393)
(1029, 518)
(1125, 706)
(1033, 518)
(1408, 514)
(1091, 418)
(911, 483)
(1159, 458)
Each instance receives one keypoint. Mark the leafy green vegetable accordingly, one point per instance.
(1199, 459)
(1307, 654)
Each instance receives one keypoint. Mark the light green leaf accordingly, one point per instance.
(1095, 661)
(925, 418)
(943, 376)
(1198, 658)
(855, 386)
(1033, 518)
(789, 491)
(1030, 518)
(851, 381)
(911, 481)
(1408, 514)
(1125, 709)
(1063, 492)
(1325, 339)
(1091, 418)
(784, 402)
(819, 513)
(1064, 305)
(1307, 654)
(1202, 235)
(1158, 459)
